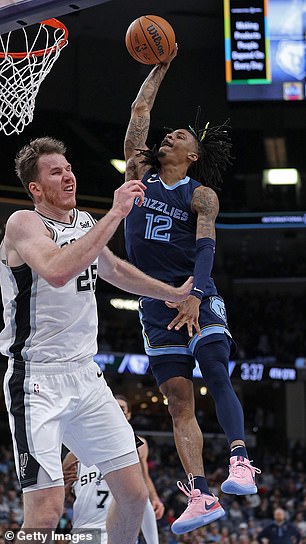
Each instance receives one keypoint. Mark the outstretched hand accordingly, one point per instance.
(188, 314)
(126, 194)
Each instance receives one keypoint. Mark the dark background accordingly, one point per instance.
(86, 99)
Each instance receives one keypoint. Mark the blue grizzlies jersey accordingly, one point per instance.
(160, 235)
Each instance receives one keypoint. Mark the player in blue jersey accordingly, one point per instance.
(170, 236)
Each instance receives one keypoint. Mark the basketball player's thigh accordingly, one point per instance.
(98, 430)
(36, 407)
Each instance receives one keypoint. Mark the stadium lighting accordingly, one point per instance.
(124, 304)
(119, 164)
(281, 176)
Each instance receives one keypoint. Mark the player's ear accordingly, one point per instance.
(192, 156)
(34, 188)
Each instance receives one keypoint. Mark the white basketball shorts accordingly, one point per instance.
(52, 404)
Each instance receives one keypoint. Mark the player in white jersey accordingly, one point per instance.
(92, 498)
(54, 392)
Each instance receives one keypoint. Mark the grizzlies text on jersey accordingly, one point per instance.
(161, 234)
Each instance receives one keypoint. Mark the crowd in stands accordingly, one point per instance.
(269, 324)
(282, 484)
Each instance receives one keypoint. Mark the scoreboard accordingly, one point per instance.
(246, 371)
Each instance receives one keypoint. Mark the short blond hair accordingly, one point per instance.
(27, 158)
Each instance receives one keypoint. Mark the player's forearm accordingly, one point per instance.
(74, 258)
(138, 128)
(152, 491)
(148, 90)
(129, 278)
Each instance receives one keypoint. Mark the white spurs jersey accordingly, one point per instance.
(92, 499)
(44, 323)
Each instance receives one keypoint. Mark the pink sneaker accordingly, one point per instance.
(241, 480)
(201, 510)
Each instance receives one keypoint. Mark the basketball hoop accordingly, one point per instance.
(21, 73)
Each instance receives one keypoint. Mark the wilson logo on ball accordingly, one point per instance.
(157, 38)
(150, 39)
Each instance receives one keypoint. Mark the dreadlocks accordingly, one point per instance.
(214, 146)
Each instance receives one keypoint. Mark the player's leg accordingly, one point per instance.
(99, 434)
(43, 507)
(172, 368)
(35, 406)
(213, 360)
(203, 507)
(172, 365)
(187, 433)
(129, 500)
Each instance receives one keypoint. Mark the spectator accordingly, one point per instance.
(235, 513)
(264, 510)
(280, 531)
(300, 523)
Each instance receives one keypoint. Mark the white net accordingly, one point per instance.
(21, 74)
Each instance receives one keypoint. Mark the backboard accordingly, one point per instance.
(15, 14)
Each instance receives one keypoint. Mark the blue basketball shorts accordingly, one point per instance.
(172, 353)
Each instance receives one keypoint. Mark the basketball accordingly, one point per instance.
(150, 39)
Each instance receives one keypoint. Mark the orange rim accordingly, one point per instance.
(40, 52)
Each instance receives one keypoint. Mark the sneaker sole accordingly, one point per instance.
(181, 527)
(235, 489)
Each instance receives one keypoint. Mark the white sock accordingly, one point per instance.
(149, 525)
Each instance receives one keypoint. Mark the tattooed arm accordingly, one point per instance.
(206, 205)
(138, 128)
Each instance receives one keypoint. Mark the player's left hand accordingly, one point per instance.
(188, 314)
(158, 507)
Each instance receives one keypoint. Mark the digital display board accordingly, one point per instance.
(265, 49)
(248, 371)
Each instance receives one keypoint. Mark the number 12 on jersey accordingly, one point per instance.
(156, 227)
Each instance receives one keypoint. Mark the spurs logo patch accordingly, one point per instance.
(23, 459)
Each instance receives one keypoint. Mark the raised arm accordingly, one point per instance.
(27, 240)
(138, 127)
